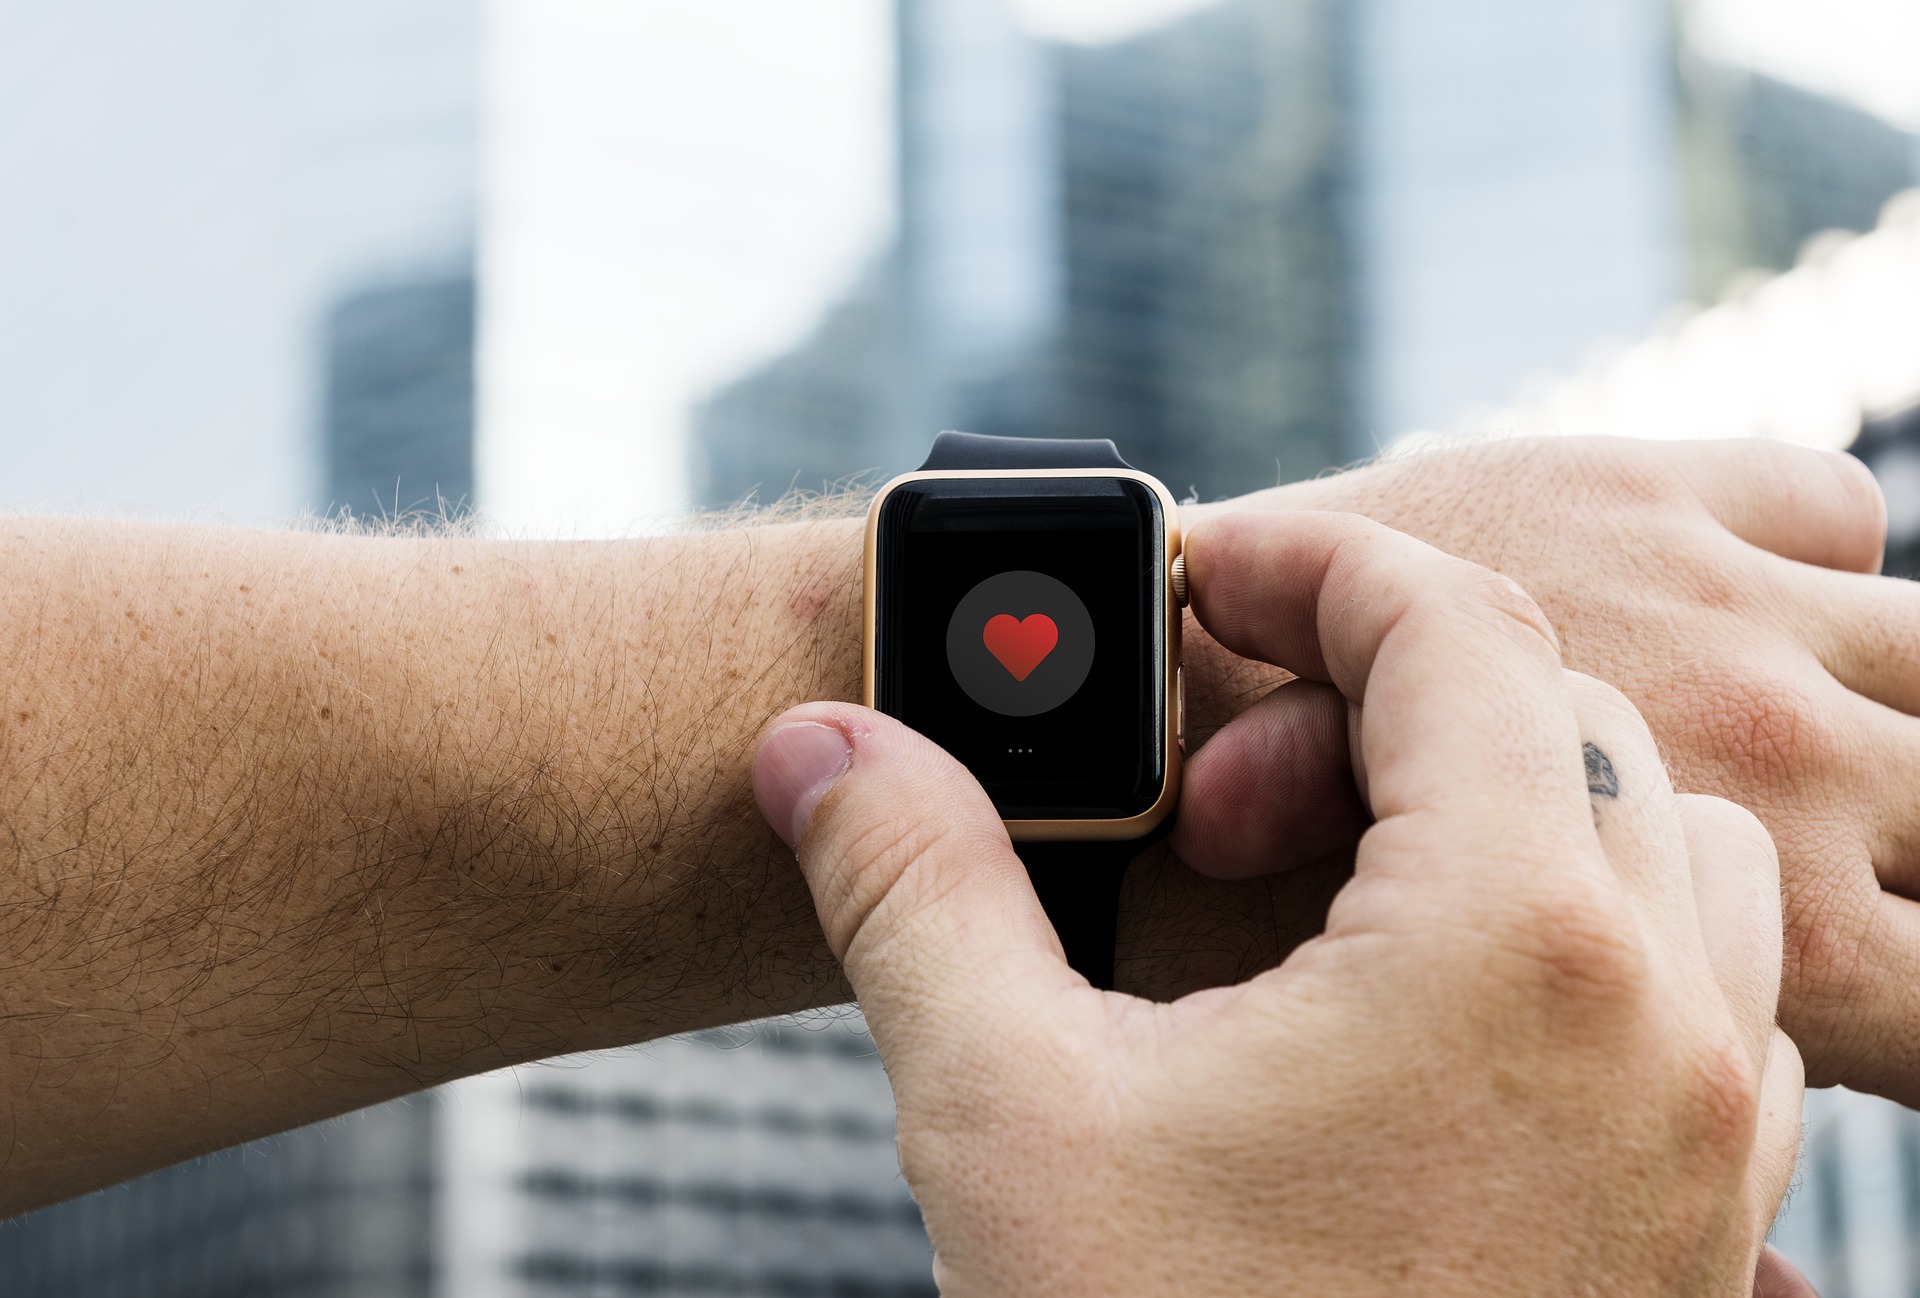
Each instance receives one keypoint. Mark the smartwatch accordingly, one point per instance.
(1023, 612)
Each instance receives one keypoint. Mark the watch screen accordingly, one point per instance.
(1021, 626)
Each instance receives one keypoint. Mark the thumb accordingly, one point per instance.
(918, 890)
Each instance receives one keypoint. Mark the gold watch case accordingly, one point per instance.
(1121, 829)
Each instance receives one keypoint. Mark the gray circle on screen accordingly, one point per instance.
(992, 682)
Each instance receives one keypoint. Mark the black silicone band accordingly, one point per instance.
(1078, 883)
(975, 451)
(1079, 887)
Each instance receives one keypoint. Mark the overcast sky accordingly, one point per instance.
(1864, 50)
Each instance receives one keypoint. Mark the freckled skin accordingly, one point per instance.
(297, 823)
(813, 598)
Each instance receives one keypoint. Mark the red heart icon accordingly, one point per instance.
(1020, 645)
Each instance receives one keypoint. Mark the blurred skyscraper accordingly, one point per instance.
(1139, 241)
(757, 1162)
(1274, 235)
(1769, 165)
(398, 400)
(1853, 1220)
(960, 314)
(241, 218)
(1490, 141)
(1208, 321)
(342, 1210)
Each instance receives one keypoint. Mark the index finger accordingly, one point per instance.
(1464, 716)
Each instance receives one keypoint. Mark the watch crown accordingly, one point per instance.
(1178, 578)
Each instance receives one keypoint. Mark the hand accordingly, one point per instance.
(1533, 1053)
(1725, 587)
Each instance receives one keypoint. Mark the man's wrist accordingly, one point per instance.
(701, 917)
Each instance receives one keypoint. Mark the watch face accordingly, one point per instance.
(1021, 625)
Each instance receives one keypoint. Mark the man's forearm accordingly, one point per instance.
(295, 823)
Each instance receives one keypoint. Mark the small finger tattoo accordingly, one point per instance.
(1602, 782)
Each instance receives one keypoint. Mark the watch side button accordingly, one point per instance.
(1180, 706)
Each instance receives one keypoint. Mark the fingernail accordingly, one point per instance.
(797, 764)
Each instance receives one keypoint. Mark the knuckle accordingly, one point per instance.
(1829, 490)
(1509, 605)
(1859, 495)
(1719, 1093)
(1823, 949)
(1577, 943)
(1626, 471)
(1771, 464)
(1762, 728)
(1596, 700)
(1606, 472)
(1731, 581)
(1828, 972)
(1729, 822)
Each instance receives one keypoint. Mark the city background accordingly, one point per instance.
(583, 267)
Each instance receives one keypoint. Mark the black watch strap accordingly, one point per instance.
(1079, 887)
(975, 451)
(1078, 883)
